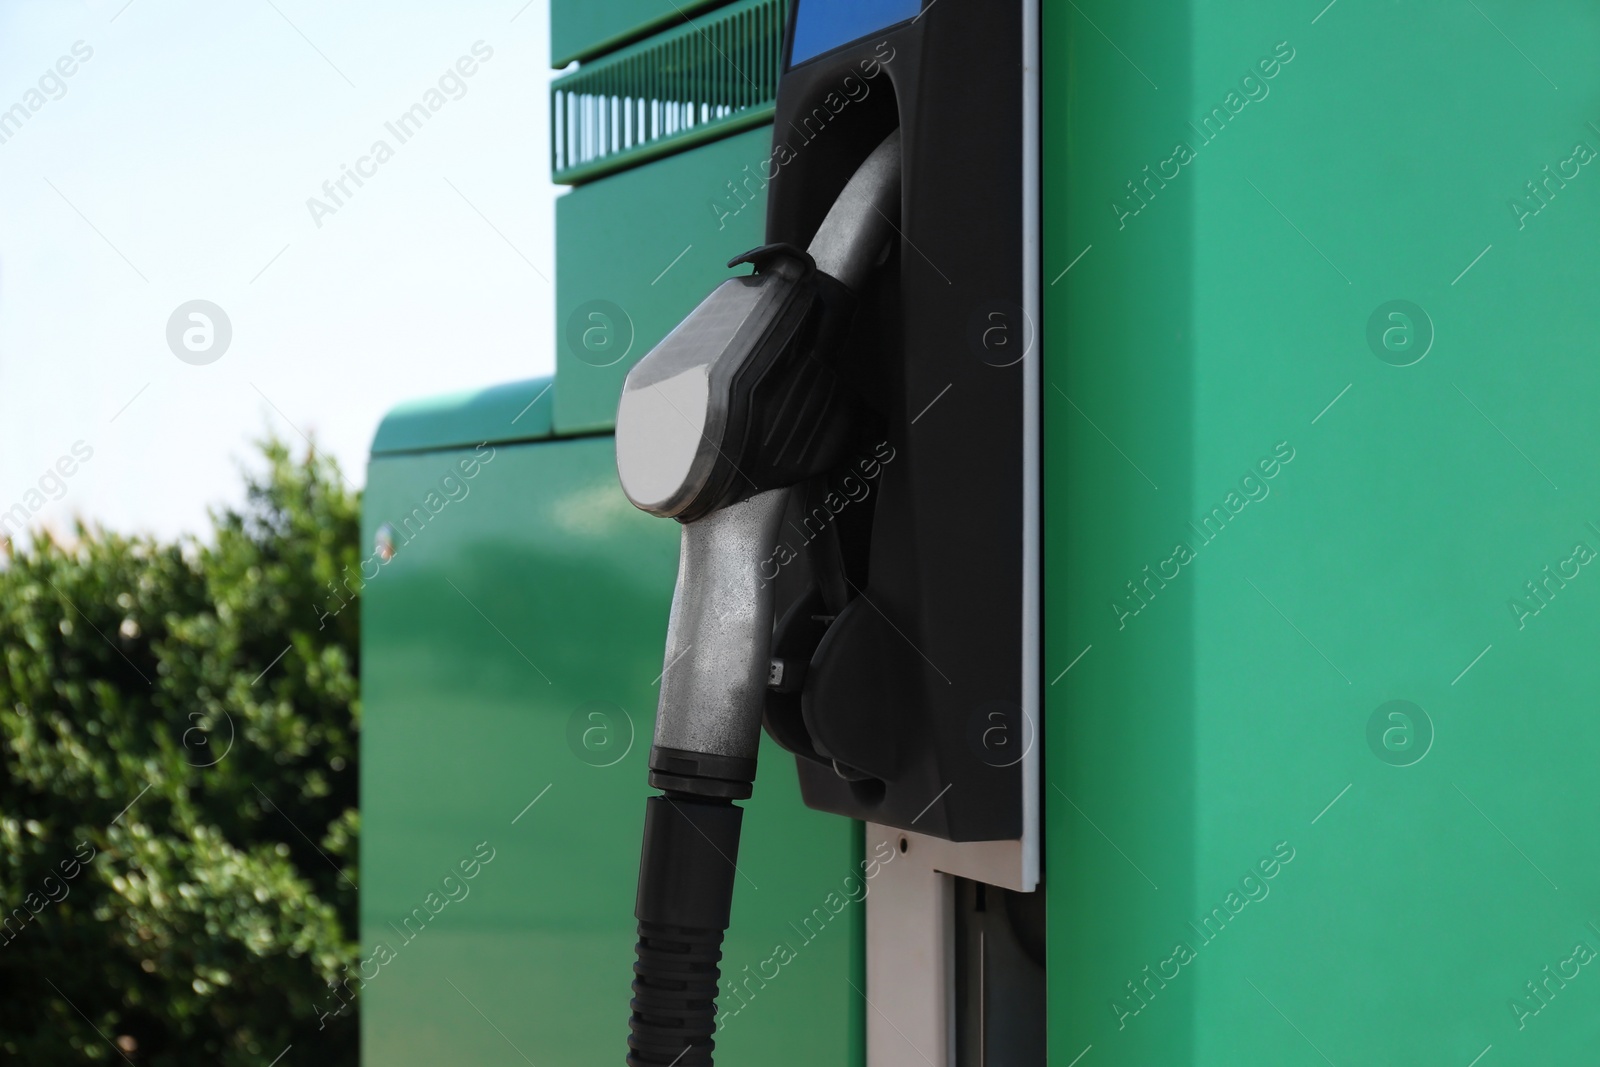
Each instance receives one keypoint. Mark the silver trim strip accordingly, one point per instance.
(910, 990)
(1033, 367)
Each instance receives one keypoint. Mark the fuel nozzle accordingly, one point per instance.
(735, 406)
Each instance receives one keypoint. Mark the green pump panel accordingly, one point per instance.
(511, 650)
(1319, 497)
(1276, 535)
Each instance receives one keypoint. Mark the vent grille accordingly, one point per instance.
(700, 81)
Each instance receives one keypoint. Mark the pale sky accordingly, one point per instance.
(175, 163)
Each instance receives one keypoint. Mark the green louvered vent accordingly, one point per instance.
(705, 79)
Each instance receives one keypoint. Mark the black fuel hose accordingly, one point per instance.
(686, 873)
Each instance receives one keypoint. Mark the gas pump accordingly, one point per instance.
(882, 626)
(1296, 745)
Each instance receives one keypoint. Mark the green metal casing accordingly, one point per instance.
(510, 650)
(694, 83)
(635, 253)
(1226, 709)
(580, 29)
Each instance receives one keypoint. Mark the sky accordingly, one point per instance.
(175, 163)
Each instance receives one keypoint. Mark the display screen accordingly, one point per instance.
(822, 25)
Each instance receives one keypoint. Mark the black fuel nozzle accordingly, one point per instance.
(736, 405)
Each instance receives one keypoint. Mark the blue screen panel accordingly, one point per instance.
(822, 25)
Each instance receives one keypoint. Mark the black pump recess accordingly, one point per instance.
(911, 638)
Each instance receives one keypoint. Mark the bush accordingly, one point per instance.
(178, 802)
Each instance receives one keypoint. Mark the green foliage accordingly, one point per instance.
(178, 802)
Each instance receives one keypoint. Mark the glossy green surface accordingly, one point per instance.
(583, 28)
(1229, 716)
(486, 639)
(516, 411)
(635, 252)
